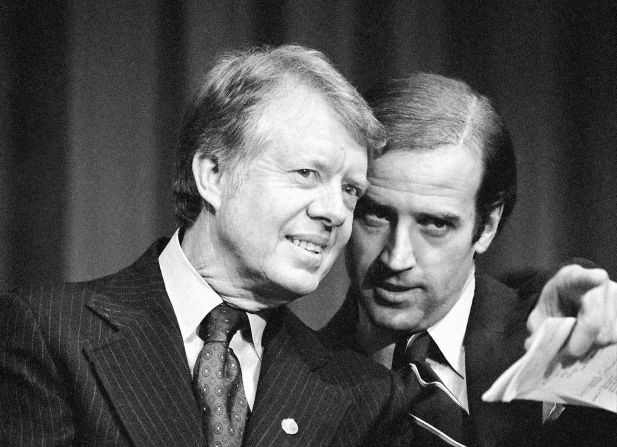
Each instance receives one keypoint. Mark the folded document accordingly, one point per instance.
(547, 375)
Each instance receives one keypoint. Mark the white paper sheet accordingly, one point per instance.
(545, 374)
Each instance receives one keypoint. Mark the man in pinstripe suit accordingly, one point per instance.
(271, 161)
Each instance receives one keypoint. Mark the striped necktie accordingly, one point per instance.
(440, 419)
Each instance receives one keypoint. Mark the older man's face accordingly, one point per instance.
(411, 250)
(292, 216)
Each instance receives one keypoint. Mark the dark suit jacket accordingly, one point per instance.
(494, 340)
(103, 363)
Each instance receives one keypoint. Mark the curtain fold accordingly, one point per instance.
(92, 95)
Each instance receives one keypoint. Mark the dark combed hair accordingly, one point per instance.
(425, 111)
(219, 124)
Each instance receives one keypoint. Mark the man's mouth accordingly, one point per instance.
(313, 247)
(394, 287)
(390, 294)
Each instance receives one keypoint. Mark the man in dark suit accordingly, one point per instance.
(443, 186)
(192, 344)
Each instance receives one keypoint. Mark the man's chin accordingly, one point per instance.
(398, 324)
(297, 284)
(392, 318)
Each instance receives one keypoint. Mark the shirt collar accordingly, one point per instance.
(191, 296)
(449, 333)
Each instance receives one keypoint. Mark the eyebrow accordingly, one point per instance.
(367, 202)
(321, 165)
(363, 184)
(453, 219)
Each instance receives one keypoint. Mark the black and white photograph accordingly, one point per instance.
(308, 223)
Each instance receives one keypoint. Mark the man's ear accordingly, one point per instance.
(489, 231)
(208, 179)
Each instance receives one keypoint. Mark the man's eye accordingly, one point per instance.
(352, 190)
(306, 173)
(370, 214)
(435, 226)
(373, 217)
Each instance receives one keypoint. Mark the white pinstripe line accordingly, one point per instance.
(436, 432)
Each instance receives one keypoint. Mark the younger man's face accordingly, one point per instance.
(411, 248)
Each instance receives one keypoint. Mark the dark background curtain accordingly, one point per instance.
(91, 96)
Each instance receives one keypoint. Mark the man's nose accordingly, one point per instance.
(398, 254)
(330, 207)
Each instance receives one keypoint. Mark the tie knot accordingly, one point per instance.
(222, 323)
(412, 348)
(417, 347)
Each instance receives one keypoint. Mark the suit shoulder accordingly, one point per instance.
(57, 311)
(53, 296)
(356, 367)
(48, 296)
(345, 364)
(504, 295)
(488, 284)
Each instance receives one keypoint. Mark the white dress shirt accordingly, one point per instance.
(192, 299)
(448, 334)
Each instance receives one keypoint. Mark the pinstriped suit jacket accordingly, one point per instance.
(103, 363)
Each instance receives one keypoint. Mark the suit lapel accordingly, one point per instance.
(293, 385)
(493, 341)
(142, 364)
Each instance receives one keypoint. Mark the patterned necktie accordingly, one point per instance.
(436, 411)
(217, 379)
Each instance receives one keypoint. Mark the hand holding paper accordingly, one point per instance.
(587, 294)
(544, 373)
(569, 360)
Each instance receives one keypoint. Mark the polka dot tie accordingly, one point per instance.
(217, 378)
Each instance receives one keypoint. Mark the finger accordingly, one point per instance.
(608, 332)
(534, 321)
(581, 340)
(528, 343)
(589, 322)
(574, 280)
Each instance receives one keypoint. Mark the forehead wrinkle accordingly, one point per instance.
(416, 202)
(321, 161)
(396, 172)
(334, 162)
(401, 206)
(298, 99)
(407, 186)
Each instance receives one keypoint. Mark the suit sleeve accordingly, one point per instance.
(581, 427)
(34, 407)
(395, 428)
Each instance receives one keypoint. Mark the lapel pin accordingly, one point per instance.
(289, 426)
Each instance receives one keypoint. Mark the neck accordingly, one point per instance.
(220, 269)
(371, 338)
